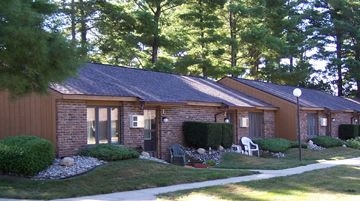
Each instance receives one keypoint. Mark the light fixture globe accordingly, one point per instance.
(297, 92)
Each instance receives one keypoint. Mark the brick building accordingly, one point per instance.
(320, 113)
(133, 107)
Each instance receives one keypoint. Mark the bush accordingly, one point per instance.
(353, 143)
(109, 152)
(227, 135)
(25, 155)
(327, 141)
(205, 134)
(348, 131)
(274, 144)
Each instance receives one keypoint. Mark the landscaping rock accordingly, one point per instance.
(145, 154)
(201, 151)
(221, 148)
(67, 161)
(312, 146)
(57, 171)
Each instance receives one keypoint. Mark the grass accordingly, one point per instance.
(338, 183)
(112, 177)
(237, 161)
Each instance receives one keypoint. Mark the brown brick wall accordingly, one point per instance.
(131, 137)
(242, 131)
(269, 124)
(70, 127)
(332, 127)
(171, 132)
(339, 118)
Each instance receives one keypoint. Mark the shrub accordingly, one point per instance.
(353, 143)
(205, 134)
(25, 155)
(327, 141)
(227, 135)
(274, 144)
(109, 152)
(348, 131)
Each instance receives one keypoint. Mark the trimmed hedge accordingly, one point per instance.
(25, 155)
(274, 144)
(109, 152)
(327, 141)
(205, 134)
(348, 131)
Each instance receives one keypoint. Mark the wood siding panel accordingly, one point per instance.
(31, 115)
(285, 116)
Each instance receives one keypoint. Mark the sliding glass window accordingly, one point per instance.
(103, 125)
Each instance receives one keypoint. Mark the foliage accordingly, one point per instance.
(205, 134)
(274, 144)
(327, 141)
(353, 143)
(109, 152)
(25, 155)
(227, 135)
(32, 54)
(273, 41)
(348, 131)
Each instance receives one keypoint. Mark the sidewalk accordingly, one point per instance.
(150, 194)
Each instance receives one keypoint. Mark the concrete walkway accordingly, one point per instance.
(150, 193)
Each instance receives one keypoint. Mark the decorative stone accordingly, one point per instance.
(145, 154)
(57, 171)
(221, 148)
(201, 151)
(344, 145)
(67, 161)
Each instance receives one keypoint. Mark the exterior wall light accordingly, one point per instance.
(227, 120)
(165, 119)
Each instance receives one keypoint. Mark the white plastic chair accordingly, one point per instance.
(249, 146)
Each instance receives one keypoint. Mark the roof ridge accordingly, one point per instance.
(147, 70)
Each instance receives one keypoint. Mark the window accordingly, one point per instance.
(103, 125)
(312, 124)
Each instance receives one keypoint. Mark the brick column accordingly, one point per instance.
(71, 127)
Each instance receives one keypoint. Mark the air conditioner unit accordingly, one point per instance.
(323, 121)
(244, 122)
(136, 121)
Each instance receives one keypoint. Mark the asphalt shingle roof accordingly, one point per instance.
(310, 97)
(107, 80)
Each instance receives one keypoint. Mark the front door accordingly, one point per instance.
(256, 124)
(150, 131)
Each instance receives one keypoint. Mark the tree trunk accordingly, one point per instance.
(233, 45)
(339, 64)
(83, 27)
(73, 20)
(156, 37)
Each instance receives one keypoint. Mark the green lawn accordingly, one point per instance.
(112, 177)
(138, 174)
(338, 183)
(238, 161)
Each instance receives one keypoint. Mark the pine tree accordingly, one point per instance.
(32, 54)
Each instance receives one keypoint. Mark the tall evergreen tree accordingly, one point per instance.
(201, 22)
(32, 54)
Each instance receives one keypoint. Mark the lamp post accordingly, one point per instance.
(297, 94)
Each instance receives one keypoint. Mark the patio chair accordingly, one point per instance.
(177, 151)
(250, 146)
